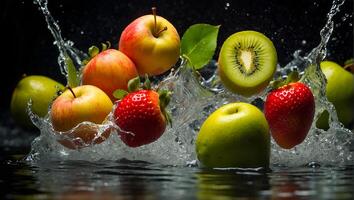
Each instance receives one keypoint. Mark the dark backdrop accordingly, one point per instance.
(27, 45)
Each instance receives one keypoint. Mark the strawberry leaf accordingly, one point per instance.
(168, 118)
(291, 78)
(164, 97)
(198, 44)
(147, 83)
(120, 94)
(134, 84)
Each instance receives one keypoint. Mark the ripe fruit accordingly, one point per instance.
(235, 135)
(152, 43)
(109, 70)
(247, 62)
(339, 91)
(141, 116)
(83, 103)
(289, 111)
(41, 90)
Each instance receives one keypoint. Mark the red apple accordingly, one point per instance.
(80, 104)
(152, 43)
(109, 70)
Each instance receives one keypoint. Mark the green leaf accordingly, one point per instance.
(349, 61)
(120, 94)
(199, 43)
(133, 84)
(104, 46)
(93, 51)
(164, 97)
(292, 77)
(73, 78)
(147, 83)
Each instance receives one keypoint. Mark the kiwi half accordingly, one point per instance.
(247, 62)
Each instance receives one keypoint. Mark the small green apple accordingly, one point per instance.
(41, 90)
(235, 135)
(339, 91)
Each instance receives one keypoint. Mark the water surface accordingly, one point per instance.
(125, 179)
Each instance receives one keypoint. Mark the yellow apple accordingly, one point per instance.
(152, 43)
(84, 103)
(235, 135)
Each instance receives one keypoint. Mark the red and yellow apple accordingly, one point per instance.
(152, 43)
(80, 104)
(109, 70)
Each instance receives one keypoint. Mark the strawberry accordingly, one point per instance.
(289, 111)
(141, 116)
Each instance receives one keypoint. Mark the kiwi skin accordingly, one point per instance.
(241, 85)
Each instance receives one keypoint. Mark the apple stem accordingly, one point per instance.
(156, 32)
(72, 92)
(154, 13)
(162, 30)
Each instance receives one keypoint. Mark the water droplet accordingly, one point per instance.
(227, 5)
(314, 165)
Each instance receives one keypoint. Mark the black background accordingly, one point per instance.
(27, 45)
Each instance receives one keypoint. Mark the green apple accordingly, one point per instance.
(152, 43)
(339, 91)
(83, 103)
(235, 135)
(41, 90)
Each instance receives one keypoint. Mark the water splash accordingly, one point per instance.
(65, 47)
(194, 98)
(331, 146)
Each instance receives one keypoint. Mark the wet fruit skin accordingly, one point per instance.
(90, 104)
(109, 70)
(139, 116)
(152, 54)
(235, 135)
(289, 111)
(41, 89)
(339, 91)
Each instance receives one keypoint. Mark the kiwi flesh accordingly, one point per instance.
(247, 62)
